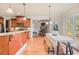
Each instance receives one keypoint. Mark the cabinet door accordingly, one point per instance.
(14, 44)
(19, 19)
(28, 35)
(13, 22)
(4, 45)
(12, 49)
(24, 39)
(1, 20)
(26, 23)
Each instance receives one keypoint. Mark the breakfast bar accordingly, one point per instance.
(12, 42)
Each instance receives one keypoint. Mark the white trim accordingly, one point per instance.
(20, 51)
(4, 25)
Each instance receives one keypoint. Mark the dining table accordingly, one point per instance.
(56, 39)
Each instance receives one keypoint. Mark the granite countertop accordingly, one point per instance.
(14, 32)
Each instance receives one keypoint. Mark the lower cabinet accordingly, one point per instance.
(4, 44)
(16, 42)
(9, 45)
(24, 38)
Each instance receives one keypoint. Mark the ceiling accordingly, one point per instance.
(36, 9)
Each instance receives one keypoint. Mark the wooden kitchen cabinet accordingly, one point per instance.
(10, 44)
(26, 23)
(28, 35)
(19, 19)
(17, 41)
(15, 44)
(1, 20)
(4, 44)
(24, 39)
(13, 22)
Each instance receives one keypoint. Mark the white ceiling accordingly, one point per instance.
(36, 9)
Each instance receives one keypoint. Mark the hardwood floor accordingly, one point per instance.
(35, 47)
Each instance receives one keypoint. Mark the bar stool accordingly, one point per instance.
(50, 50)
(68, 49)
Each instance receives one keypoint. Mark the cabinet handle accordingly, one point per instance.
(10, 37)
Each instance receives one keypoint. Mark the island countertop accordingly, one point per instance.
(12, 42)
(14, 32)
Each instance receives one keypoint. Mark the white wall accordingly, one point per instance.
(35, 24)
(68, 15)
(59, 19)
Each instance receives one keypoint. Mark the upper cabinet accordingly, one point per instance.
(1, 20)
(13, 22)
(1, 25)
(19, 19)
(26, 23)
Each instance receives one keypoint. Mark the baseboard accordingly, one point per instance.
(20, 51)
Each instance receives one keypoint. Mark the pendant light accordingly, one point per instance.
(24, 11)
(50, 22)
(47, 23)
(9, 10)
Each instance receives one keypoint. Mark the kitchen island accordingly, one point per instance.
(12, 42)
